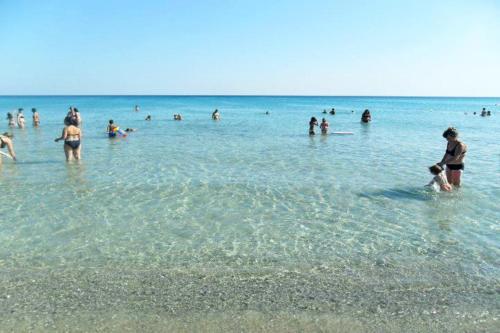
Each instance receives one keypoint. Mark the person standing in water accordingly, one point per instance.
(324, 126)
(312, 123)
(453, 157)
(6, 141)
(137, 109)
(12, 121)
(366, 117)
(36, 117)
(72, 136)
(20, 118)
(216, 115)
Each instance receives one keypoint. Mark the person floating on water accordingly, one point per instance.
(72, 136)
(20, 118)
(148, 117)
(114, 130)
(453, 157)
(12, 121)
(439, 178)
(313, 122)
(216, 115)
(324, 126)
(6, 141)
(366, 117)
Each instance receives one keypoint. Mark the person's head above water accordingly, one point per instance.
(72, 122)
(435, 169)
(313, 119)
(111, 122)
(451, 133)
(33, 109)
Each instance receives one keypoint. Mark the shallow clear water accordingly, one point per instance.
(253, 191)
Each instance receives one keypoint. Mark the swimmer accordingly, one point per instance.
(148, 117)
(137, 109)
(313, 122)
(439, 178)
(130, 130)
(267, 113)
(324, 126)
(324, 112)
(6, 141)
(488, 113)
(483, 112)
(36, 117)
(72, 136)
(20, 118)
(177, 116)
(12, 122)
(366, 116)
(216, 115)
(332, 111)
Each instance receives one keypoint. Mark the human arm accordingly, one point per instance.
(10, 148)
(62, 136)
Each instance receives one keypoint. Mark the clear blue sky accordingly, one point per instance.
(316, 47)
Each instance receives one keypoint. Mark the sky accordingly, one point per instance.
(254, 47)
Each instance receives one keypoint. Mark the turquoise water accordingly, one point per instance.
(253, 193)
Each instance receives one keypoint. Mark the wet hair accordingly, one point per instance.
(313, 119)
(20, 110)
(450, 131)
(33, 109)
(72, 121)
(67, 120)
(8, 135)
(76, 110)
(435, 169)
(323, 120)
(111, 121)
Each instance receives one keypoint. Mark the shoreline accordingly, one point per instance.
(185, 300)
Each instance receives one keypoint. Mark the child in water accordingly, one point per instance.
(439, 178)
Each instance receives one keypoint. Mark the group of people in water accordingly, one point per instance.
(447, 173)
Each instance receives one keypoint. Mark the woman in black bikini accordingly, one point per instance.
(72, 136)
(312, 123)
(454, 156)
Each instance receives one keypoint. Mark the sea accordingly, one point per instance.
(249, 223)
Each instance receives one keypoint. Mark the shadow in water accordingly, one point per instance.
(411, 193)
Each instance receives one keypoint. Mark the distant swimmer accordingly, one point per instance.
(12, 121)
(216, 115)
(137, 109)
(453, 157)
(130, 129)
(36, 117)
(20, 118)
(312, 123)
(439, 178)
(332, 111)
(324, 126)
(483, 112)
(324, 112)
(366, 116)
(72, 136)
(177, 116)
(148, 117)
(6, 141)
(267, 113)
(488, 113)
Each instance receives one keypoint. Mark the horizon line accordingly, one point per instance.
(236, 95)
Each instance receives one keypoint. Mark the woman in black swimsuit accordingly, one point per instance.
(454, 156)
(313, 122)
(72, 136)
